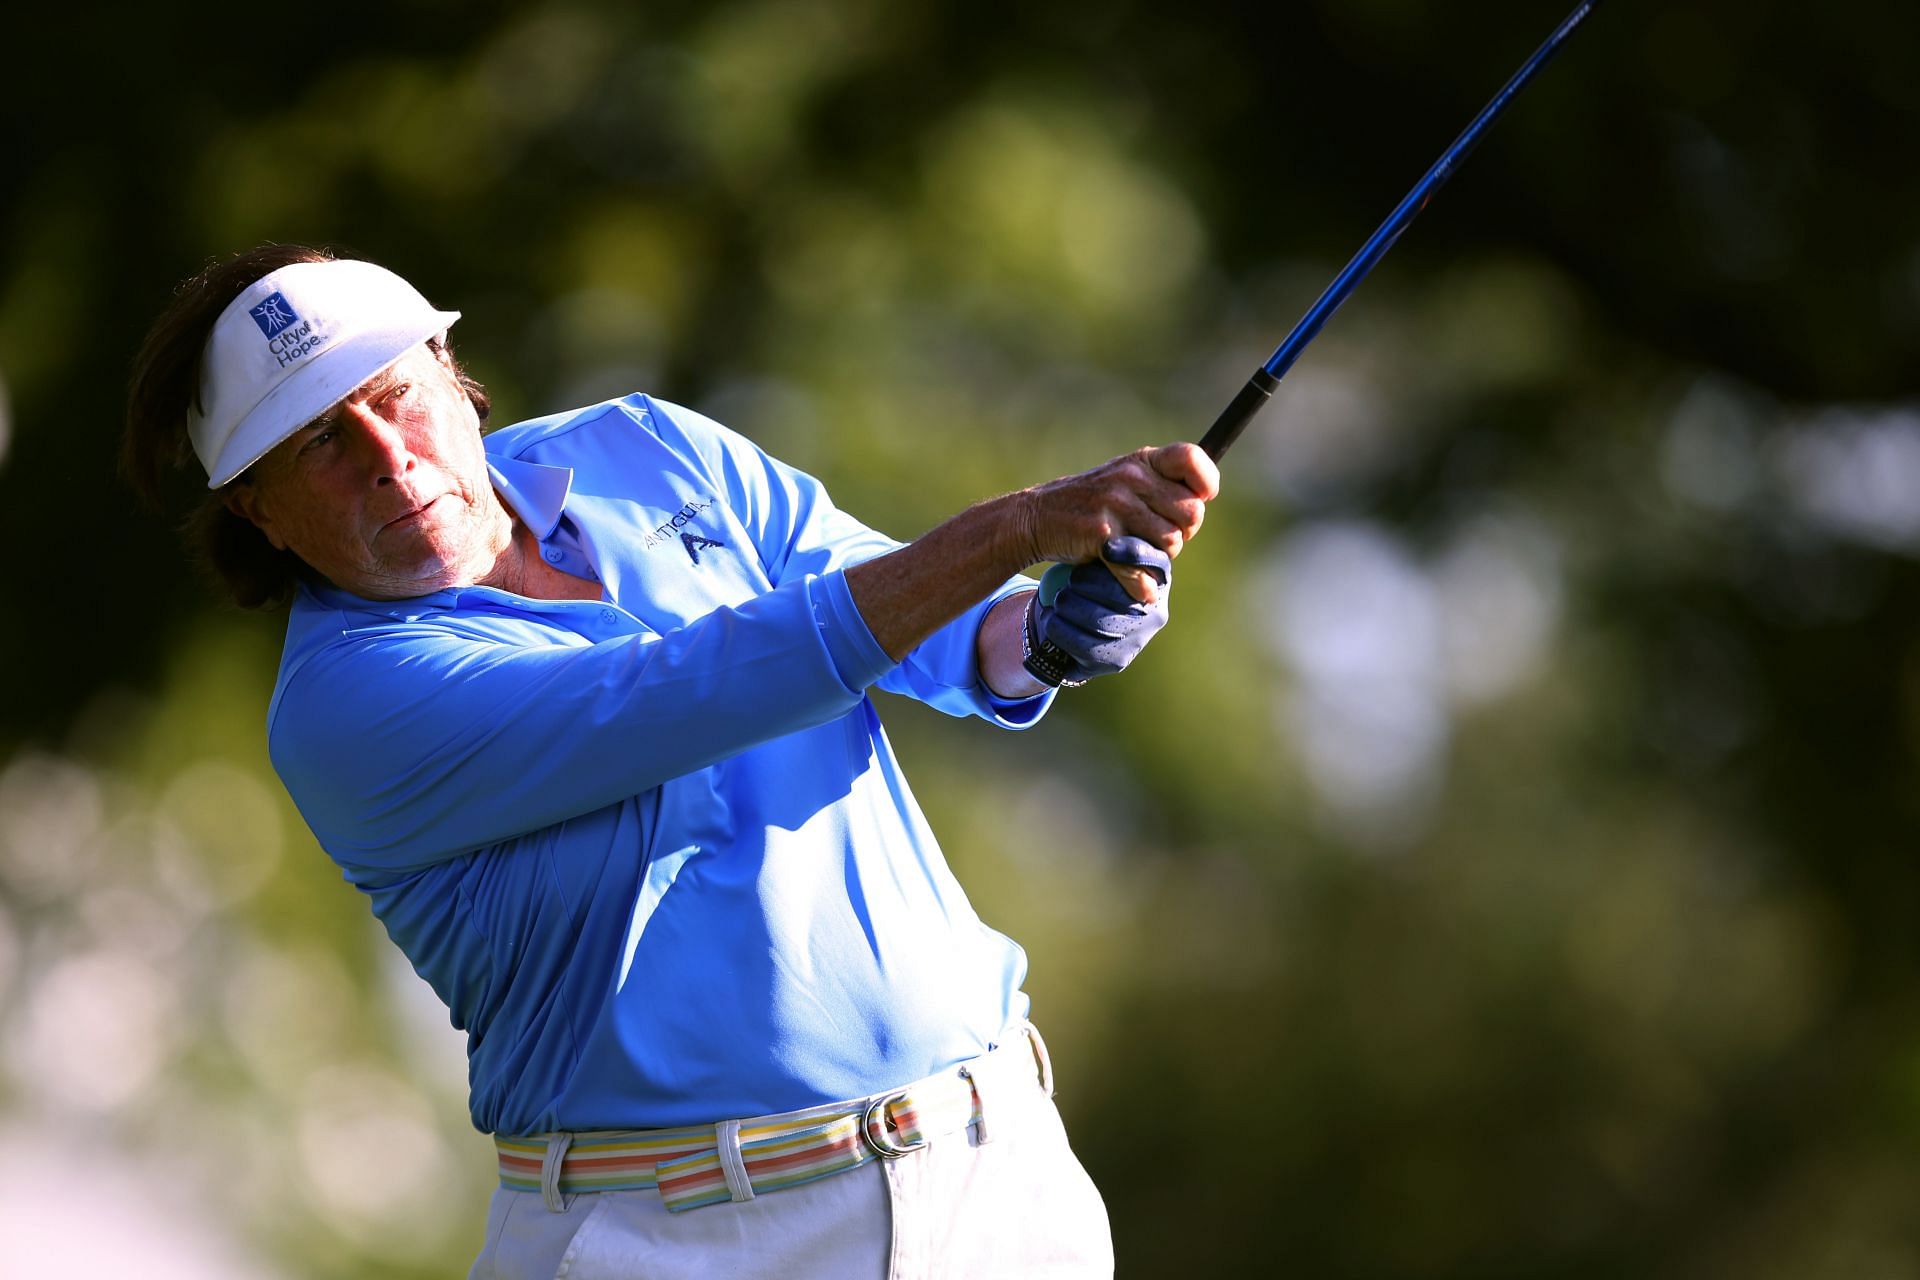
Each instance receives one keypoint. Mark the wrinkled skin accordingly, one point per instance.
(387, 493)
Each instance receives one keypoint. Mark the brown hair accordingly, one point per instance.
(165, 387)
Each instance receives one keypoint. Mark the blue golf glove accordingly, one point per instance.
(1090, 626)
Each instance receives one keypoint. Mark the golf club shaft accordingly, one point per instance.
(1259, 388)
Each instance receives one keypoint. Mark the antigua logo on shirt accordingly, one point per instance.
(693, 542)
(677, 524)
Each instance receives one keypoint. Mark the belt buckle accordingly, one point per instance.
(873, 1128)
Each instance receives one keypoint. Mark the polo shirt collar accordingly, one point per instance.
(536, 492)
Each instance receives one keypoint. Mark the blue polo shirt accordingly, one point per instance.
(653, 851)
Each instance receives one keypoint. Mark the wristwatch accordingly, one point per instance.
(1045, 661)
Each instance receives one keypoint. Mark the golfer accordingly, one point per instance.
(582, 707)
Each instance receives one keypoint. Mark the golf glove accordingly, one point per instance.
(1090, 626)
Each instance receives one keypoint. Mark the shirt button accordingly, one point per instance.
(553, 555)
(607, 616)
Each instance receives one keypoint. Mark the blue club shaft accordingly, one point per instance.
(1259, 388)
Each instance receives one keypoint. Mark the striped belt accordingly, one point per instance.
(706, 1164)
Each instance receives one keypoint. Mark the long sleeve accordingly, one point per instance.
(791, 511)
(409, 743)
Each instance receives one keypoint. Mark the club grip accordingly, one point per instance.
(1054, 581)
(1234, 418)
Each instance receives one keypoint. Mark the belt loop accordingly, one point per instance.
(1041, 1058)
(1009, 1075)
(995, 1073)
(982, 1127)
(557, 1146)
(727, 1140)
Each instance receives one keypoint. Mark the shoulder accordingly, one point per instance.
(327, 646)
(343, 652)
(615, 427)
(574, 428)
(637, 431)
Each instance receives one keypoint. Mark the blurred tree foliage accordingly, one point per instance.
(1503, 867)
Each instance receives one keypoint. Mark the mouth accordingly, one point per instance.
(408, 519)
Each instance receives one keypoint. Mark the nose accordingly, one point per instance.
(382, 445)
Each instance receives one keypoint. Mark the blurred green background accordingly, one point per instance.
(1502, 868)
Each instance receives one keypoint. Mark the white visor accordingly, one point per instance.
(294, 344)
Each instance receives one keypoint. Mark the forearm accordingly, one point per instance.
(908, 594)
(1158, 495)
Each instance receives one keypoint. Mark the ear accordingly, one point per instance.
(243, 498)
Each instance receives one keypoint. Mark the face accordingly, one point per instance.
(386, 494)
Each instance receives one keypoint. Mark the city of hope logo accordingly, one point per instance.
(288, 336)
(273, 315)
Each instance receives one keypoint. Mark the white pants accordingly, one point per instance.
(1018, 1205)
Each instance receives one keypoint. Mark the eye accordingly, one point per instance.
(318, 440)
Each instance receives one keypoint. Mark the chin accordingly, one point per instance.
(432, 575)
(426, 554)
